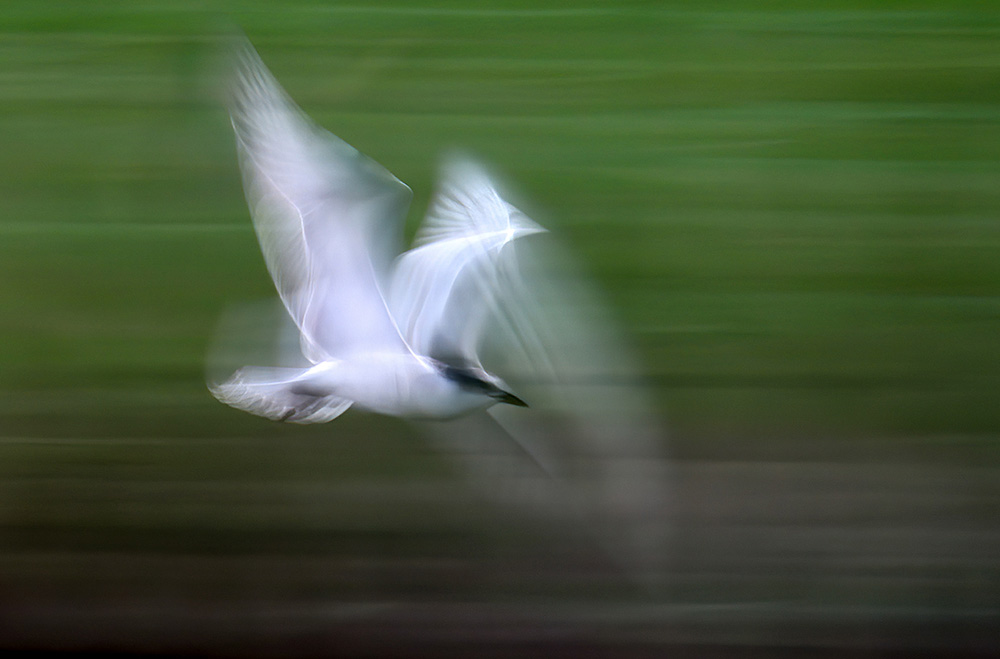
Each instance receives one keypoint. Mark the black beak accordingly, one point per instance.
(509, 398)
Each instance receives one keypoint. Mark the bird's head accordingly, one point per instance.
(476, 380)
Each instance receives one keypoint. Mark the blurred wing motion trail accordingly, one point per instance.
(589, 449)
(469, 293)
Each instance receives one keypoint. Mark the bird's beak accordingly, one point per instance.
(509, 398)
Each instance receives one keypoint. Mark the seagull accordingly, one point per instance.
(410, 333)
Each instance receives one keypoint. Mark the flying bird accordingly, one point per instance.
(427, 333)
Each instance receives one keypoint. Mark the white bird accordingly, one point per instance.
(326, 217)
(408, 335)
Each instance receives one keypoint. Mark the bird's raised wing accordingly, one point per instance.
(446, 287)
(327, 217)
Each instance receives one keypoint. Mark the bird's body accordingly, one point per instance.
(392, 383)
(396, 384)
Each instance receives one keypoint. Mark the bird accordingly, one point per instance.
(325, 215)
(425, 334)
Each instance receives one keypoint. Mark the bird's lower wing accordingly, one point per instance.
(506, 472)
(592, 505)
(560, 350)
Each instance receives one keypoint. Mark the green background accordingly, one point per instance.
(793, 209)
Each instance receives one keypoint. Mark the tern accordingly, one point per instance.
(407, 333)
(376, 331)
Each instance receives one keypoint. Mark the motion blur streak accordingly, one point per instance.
(791, 209)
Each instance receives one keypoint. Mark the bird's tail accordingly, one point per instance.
(278, 394)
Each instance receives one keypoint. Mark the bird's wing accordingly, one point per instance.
(271, 392)
(327, 217)
(591, 423)
(446, 287)
(589, 447)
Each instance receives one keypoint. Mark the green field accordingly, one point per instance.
(792, 208)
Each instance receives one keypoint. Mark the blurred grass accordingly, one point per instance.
(793, 211)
